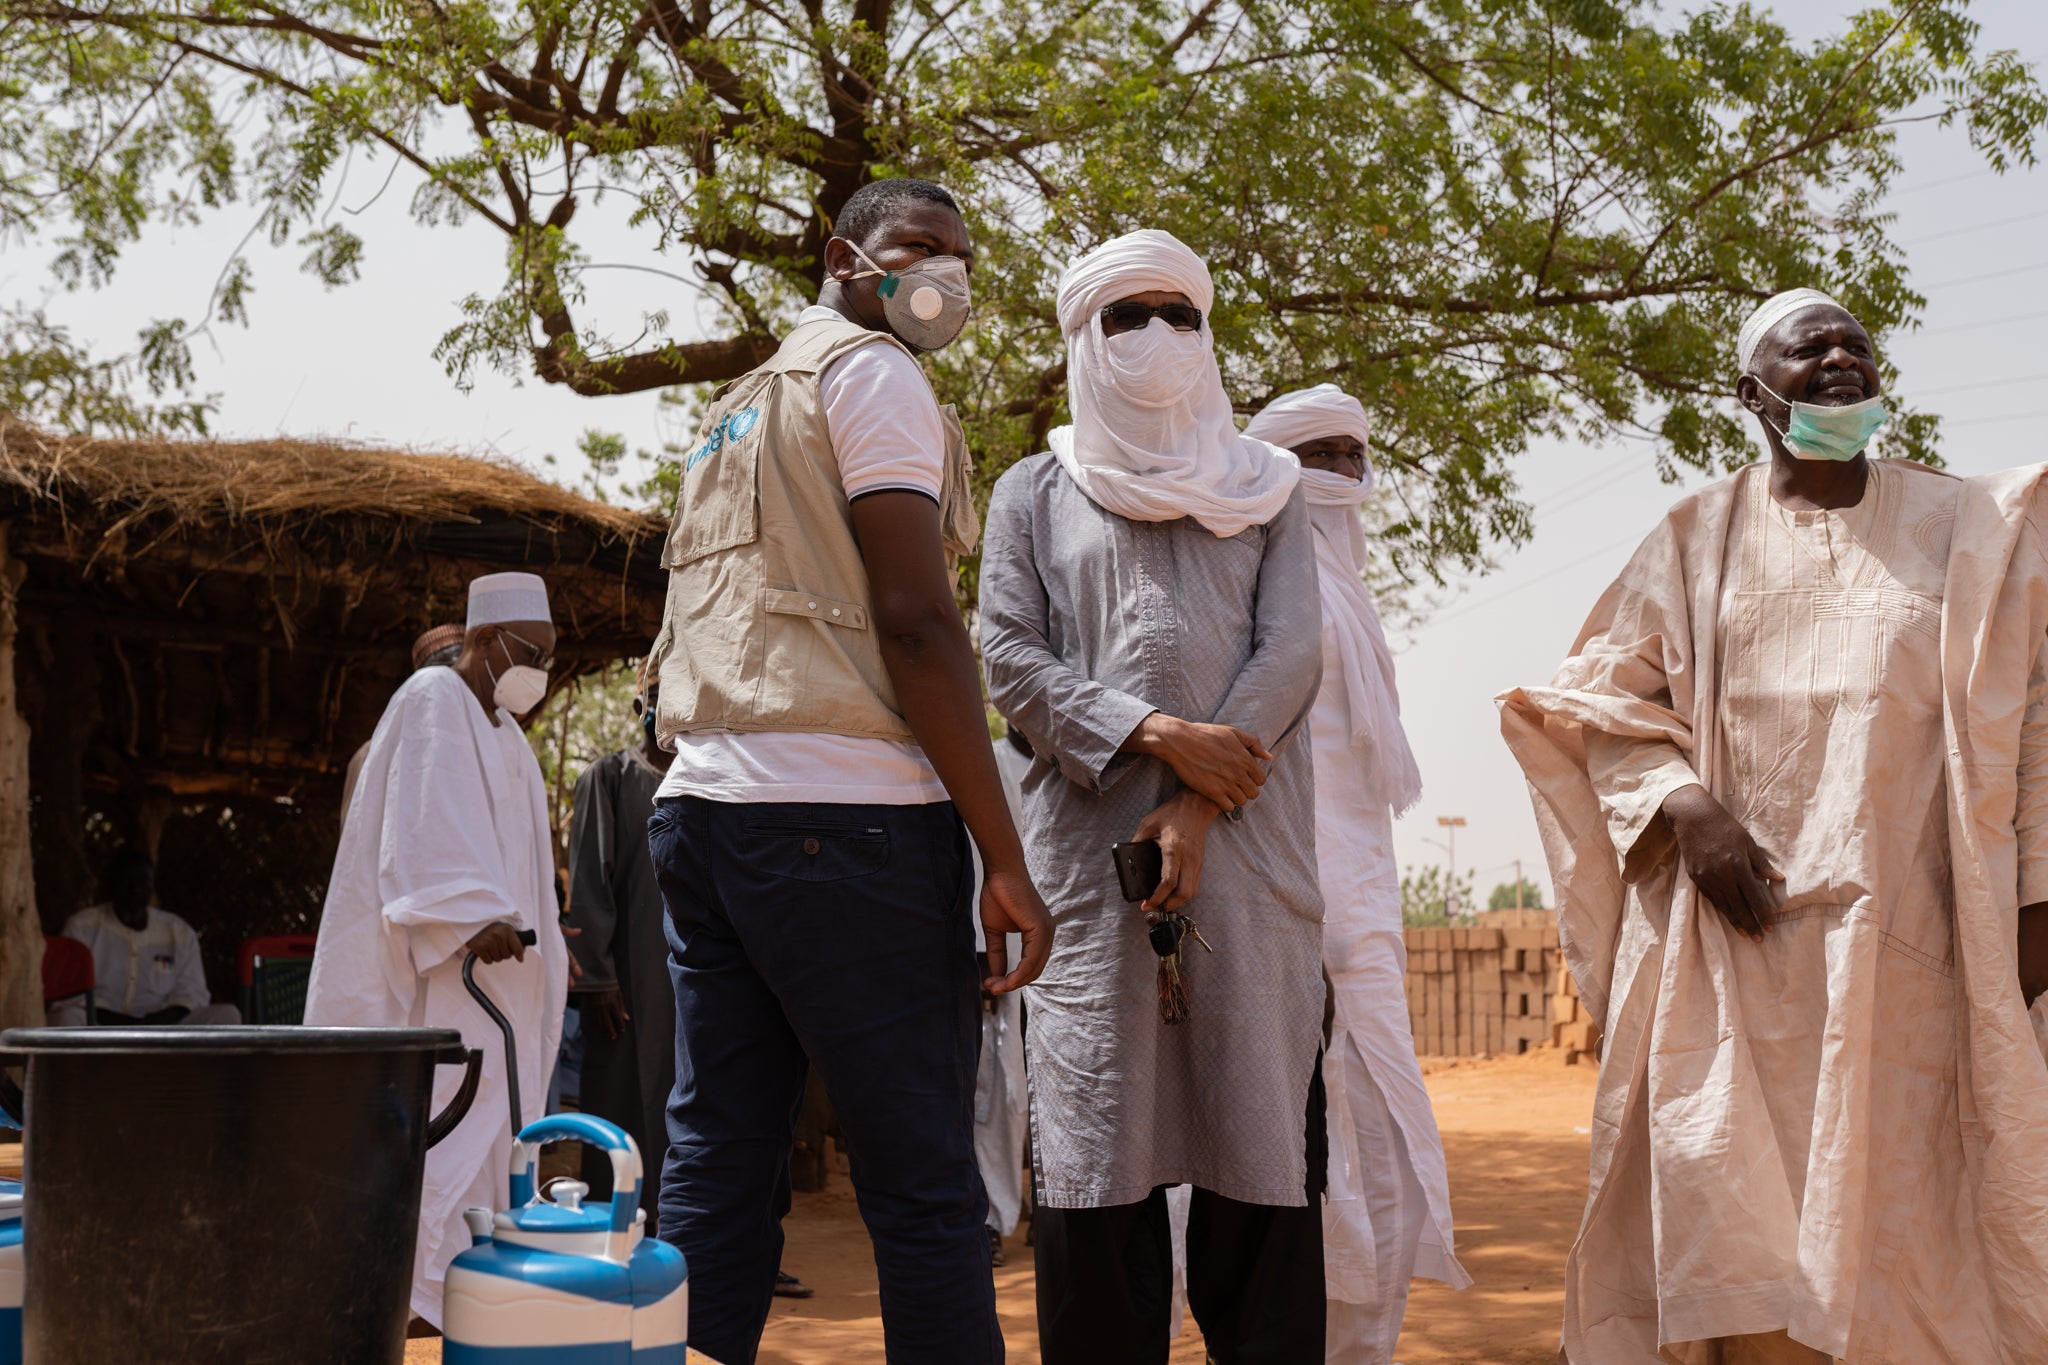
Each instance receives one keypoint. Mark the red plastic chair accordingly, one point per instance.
(68, 973)
(274, 971)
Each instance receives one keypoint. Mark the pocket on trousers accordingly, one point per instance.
(814, 851)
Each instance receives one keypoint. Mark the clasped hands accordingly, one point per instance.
(1221, 768)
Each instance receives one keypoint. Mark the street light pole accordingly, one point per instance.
(1452, 823)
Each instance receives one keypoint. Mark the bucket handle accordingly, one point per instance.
(13, 1108)
(625, 1155)
(444, 1122)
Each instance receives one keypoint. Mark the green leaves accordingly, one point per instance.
(45, 375)
(1493, 220)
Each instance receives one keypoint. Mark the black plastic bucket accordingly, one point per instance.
(246, 1195)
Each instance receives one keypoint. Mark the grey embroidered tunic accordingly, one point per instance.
(1089, 622)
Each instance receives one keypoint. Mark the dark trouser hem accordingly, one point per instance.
(838, 934)
(1255, 1275)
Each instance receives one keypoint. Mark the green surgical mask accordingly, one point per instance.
(1814, 432)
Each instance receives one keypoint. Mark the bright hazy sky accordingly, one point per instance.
(357, 362)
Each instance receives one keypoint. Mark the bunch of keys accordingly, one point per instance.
(1166, 930)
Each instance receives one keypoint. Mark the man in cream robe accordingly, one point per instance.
(446, 852)
(1793, 785)
(1387, 1212)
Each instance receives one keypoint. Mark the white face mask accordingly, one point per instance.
(1157, 365)
(520, 688)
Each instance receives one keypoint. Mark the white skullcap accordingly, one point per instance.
(1134, 263)
(1306, 415)
(498, 598)
(1769, 314)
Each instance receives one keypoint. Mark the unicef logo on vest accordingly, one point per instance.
(731, 427)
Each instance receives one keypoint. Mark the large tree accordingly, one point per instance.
(1492, 219)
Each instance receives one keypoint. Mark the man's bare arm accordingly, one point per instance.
(931, 663)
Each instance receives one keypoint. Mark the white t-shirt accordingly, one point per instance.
(886, 434)
(137, 972)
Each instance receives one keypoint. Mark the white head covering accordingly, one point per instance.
(497, 598)
(1769, 314)
(1153, 438)
(1370, 695)
(1307, 415)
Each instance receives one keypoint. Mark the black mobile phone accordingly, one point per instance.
(1138, 868)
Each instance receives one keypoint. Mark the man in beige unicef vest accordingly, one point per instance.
(1793, 784)
(822, 701)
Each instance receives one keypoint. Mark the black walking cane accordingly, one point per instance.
(529, 938)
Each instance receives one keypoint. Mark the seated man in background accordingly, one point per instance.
(145, 960)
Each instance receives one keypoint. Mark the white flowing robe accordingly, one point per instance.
(1387, 1208)
(447, 832)
(1841, 1132)
(1387, 1204)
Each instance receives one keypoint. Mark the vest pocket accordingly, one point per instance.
(814, 851)
(719, 485)
(832, 611)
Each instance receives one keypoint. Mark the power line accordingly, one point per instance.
(1980, 384)
(1944, 181)
(1471, 607)
(1974, 326)
(1990, 421)
(1552, 502)
(1975, 227)
(1557, 507)
(2005, 274)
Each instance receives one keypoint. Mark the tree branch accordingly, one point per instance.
(696, 362)
(1421, 303)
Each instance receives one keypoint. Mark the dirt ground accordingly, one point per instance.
(1514, 1134)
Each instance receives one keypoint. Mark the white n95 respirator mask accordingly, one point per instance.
(927, 303)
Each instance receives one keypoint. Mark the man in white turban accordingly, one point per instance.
(445, 852)
(1150, 622)
(1387, 1217)
(1793, 784)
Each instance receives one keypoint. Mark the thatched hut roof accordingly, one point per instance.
(276, 485)
(211, 616)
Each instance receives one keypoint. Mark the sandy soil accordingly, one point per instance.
(1515, 1136)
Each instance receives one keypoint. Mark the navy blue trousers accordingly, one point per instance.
(837, 935)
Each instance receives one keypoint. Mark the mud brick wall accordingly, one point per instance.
(1484, 992)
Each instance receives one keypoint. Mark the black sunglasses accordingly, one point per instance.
(1130, 316)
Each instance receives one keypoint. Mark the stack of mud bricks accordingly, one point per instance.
(1483, 992)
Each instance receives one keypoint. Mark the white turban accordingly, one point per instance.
(1769, 314)
(1153, 438)
(500, 598)
(1295, 419)
(1371, 701)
